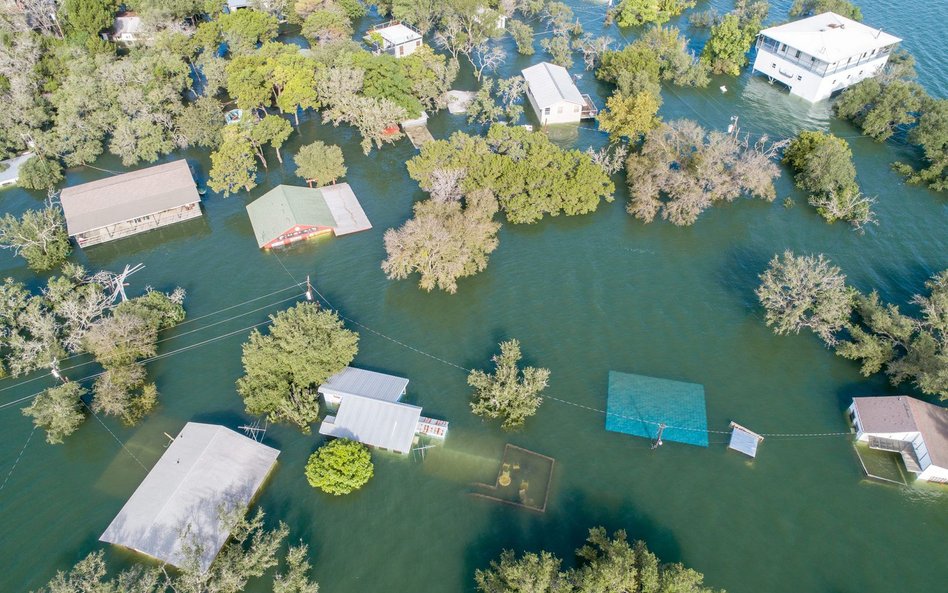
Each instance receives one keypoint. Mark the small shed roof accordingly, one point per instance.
(378, 423)
(112, 200)
(353, 381)
(830, 37)
(206, 468)
(286, 206)
(397, 33)
(551, 84)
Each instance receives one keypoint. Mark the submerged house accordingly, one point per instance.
(205, 470)
(395, 38)
(916, 430)
(288, 213)
(822, 54)
(130, 203)
(554, 97)
(126, 29)
(368, 411)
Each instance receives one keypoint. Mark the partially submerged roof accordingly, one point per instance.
(641, 405)
(743, 440)
(899, 413)
(830, 37)
(397, 33)
(287, 206)
(374, 422)
(551, 84)
(112, 200)
(353, 381)
(205, 469)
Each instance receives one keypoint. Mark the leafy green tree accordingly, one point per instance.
(878, 108)
(506, 163)
(39, 236)
(804, 8)
(606, 564)
(805, 291)
(444, 241)
(531, 573)
(282, 370)
(296, 578)
(907, 348)
(509, 392)
(824, 167)
(88, 17)
(629, 13)
(726, 49)
(40, 172)
(327, 25)
(630, 116)
(243, 30)
(931, 134)
(232, 165)
(58, 411)
(522, 34)
(659, 55)
(340, 467)
(320, 163)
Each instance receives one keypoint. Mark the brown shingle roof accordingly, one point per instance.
(899, 413)
(123, 197)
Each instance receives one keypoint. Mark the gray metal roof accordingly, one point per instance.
(374, 422)
(131, 195)
(353, 381)
(551, 84)
(206, 468)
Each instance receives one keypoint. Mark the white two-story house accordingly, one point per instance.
(822, 54)
(917, 430)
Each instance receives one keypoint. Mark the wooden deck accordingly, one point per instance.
(418, 135)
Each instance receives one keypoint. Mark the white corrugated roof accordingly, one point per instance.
(345, 209)
(205, 468)
(830, 37)
(374, 422)
(551, 84)
(353, 381)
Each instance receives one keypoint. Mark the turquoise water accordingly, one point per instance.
(584, 295)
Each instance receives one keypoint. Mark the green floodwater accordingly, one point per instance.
(585, 295)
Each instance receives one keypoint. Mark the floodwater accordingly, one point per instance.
(584, 295)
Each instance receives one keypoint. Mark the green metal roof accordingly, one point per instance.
(284, 207)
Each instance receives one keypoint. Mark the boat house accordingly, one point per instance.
(130, 203)
(554, 97)
(822, 54)
(205, 470)
(287, 214)
(369, 411)
(395, 38)
(916, 430)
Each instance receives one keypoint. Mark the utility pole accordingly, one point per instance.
(658, 441)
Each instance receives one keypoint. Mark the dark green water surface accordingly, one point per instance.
(585, 295)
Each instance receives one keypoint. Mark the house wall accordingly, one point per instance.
(559, 113)
(808, 84)
(139, 225)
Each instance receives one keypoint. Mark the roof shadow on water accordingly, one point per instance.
(562, 531)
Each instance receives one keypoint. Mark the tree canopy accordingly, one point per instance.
(606, 564)
(824, 167)
(507, 161)
(340, 467)
(509, 393)
(283, 368)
